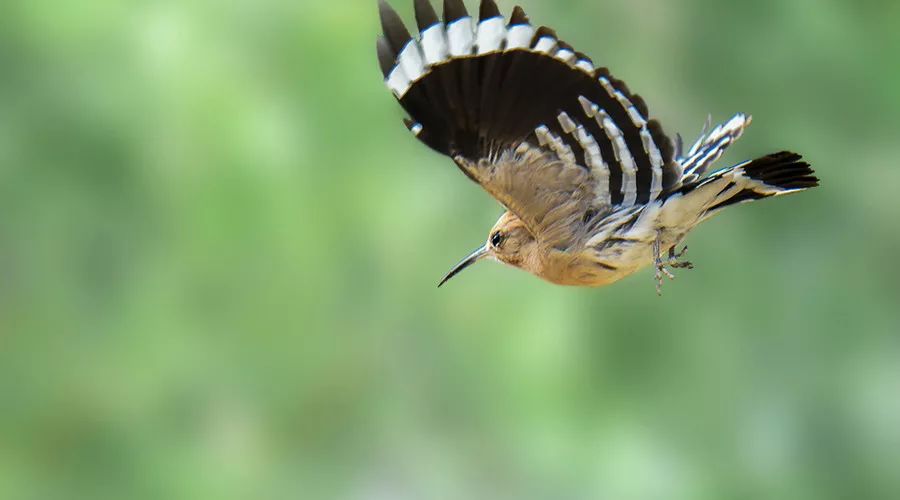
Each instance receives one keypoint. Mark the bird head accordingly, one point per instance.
(509, 241)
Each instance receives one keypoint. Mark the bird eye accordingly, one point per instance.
(497, 239)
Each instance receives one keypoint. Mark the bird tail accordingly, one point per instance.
(772, 175)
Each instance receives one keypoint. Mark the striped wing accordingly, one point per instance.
(710, 146)
(510, 101)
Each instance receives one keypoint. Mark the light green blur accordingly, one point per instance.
(219, 250)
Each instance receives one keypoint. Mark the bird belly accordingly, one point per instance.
(586, 269)
(622, 253)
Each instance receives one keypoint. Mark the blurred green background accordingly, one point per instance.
(219, 249)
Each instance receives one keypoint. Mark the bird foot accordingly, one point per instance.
(670, 261)
(679, 264)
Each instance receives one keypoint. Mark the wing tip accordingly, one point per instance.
(454, 10)
(518, 16)
(488, 10)
(392, 26)
(426, 16)
(386, 56)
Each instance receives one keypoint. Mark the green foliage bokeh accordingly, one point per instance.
(219, 249)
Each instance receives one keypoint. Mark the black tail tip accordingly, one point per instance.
(784, 170)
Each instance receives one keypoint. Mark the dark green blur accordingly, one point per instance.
(219, 250)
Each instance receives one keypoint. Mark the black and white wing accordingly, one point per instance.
(522, 113)
(710, 146)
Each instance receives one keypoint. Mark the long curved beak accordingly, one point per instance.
(468, 261)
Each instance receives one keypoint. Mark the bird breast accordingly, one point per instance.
(583, 269)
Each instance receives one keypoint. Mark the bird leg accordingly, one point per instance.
(660, 266)
(670, 261)
(679, 264)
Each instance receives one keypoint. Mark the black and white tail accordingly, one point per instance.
(772, 175)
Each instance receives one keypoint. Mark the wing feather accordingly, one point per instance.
(502, 98)
(548, 193)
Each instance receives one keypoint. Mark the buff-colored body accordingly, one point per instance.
(603, 261)
(613, 247)
(571, 248)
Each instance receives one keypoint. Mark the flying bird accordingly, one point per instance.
(594, 189)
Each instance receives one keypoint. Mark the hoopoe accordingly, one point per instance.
(594, 189)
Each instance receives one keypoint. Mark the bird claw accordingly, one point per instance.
(671, 261)
(678, 264)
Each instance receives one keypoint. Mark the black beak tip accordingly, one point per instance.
(445, 279)
(468, 261)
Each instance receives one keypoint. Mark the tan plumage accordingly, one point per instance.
(594, 189)
(550, 195)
